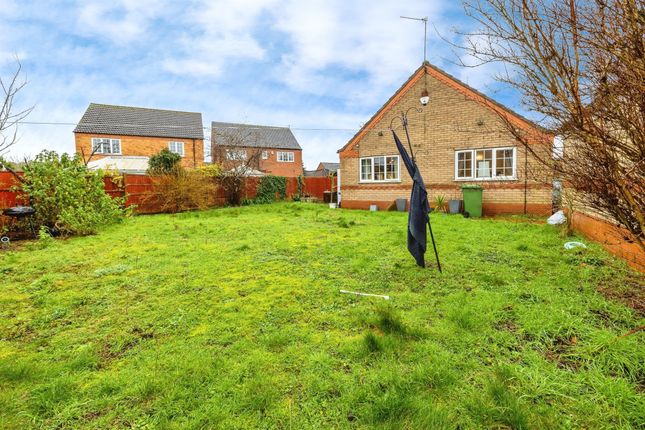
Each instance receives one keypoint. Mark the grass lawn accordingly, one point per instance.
(232, 318)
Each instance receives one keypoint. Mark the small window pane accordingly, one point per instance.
(176, 148)
(97, 145)
(366, 169)
(106, 146)
(504, 162)
(285, 156)
(465, 164)
(265, 155)
(392, 168)
(484, 164)
(379, 168)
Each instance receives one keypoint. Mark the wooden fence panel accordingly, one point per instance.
(139, 190)
(8, 196)
(315, 186)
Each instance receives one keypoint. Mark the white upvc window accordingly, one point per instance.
(383, 168)
(176, 148)
(285, 157)
(485, 164)
(102, 145)
(236, 154)
(265, 155)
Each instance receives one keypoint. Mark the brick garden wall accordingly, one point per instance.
(614, 239)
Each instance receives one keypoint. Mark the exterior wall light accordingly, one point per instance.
(425, 98)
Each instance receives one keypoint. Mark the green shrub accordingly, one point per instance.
(165, 162)
(300, 188)
(67, 195)
(182, 190)
(45, 239)
(269, 187)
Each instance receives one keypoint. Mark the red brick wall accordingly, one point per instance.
(144, 146)
(270, 166)
(614, 239)
(498, 197)
(279, 168)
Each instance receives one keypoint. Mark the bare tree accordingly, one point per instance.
(9, 117)
(581, 64)
(233, 149)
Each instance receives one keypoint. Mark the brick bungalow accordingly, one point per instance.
(459, 138)
(271, 150)
(125, 134)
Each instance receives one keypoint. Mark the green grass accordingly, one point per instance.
(232, 318)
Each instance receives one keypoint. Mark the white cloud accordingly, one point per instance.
(315, 64)
(119, 21)
(362, 37)
(218, 32)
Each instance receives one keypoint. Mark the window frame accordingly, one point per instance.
(111, 141)
(265, 155)
(473, 166)
(385, 164)
(177, 142)
(290, 159)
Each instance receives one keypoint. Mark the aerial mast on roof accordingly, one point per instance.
(425, 32)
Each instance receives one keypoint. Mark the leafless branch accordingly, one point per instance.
(235, 151)
(9, 117)
(581, 64)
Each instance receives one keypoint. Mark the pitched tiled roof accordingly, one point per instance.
(135, 121)
(330, 166)
(254, 136)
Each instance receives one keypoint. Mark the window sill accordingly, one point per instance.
(391, 181)
(484, 179)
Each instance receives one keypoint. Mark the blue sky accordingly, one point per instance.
(306, 64)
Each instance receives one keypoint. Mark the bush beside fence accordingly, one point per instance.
(139, 190)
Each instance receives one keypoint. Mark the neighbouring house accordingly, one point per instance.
(123, 137)
(458, 138)
(271, 150)
(324, 169)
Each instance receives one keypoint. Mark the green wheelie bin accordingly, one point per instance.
(472, 200)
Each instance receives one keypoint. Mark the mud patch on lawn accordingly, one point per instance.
(561, 351)
(631, 293)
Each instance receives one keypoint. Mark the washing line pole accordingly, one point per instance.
(404, 119)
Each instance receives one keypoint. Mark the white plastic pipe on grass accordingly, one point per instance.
(365, 294)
